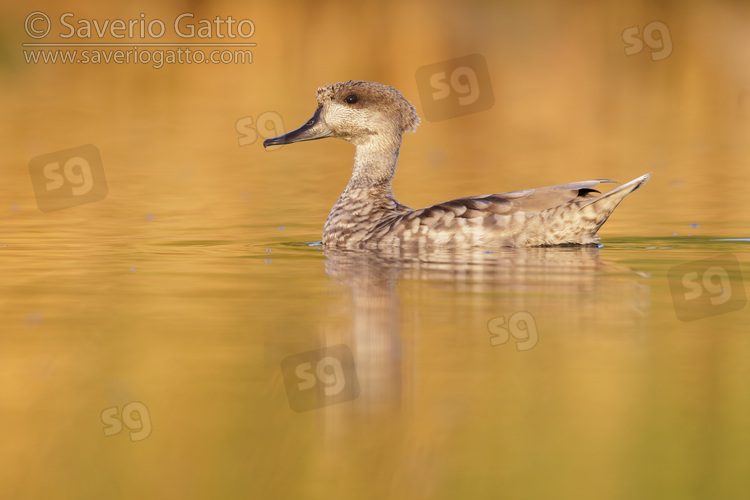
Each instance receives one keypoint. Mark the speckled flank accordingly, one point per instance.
(373, 117)
(554, 215)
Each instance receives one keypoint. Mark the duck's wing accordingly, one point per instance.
(527, 200)
(566, 213)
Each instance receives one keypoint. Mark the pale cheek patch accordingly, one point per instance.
(338, 117)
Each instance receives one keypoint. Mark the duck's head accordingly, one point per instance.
(358, 112)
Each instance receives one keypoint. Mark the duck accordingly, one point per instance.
(373, 117)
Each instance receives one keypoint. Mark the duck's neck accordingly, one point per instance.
(375, 161)
(374, 167)
(368, 198)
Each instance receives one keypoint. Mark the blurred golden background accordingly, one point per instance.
(569, 105)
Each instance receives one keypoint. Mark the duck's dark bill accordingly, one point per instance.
(315, 128)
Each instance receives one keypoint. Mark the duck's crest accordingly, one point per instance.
(370, 92)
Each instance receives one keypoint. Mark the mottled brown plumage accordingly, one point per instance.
(373, 117)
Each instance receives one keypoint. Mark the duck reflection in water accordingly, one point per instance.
(564, 287)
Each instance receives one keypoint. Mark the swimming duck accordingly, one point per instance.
(373, 117)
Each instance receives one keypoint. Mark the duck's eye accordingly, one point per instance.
(351, 99)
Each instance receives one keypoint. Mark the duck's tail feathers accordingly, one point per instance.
(609, 201)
